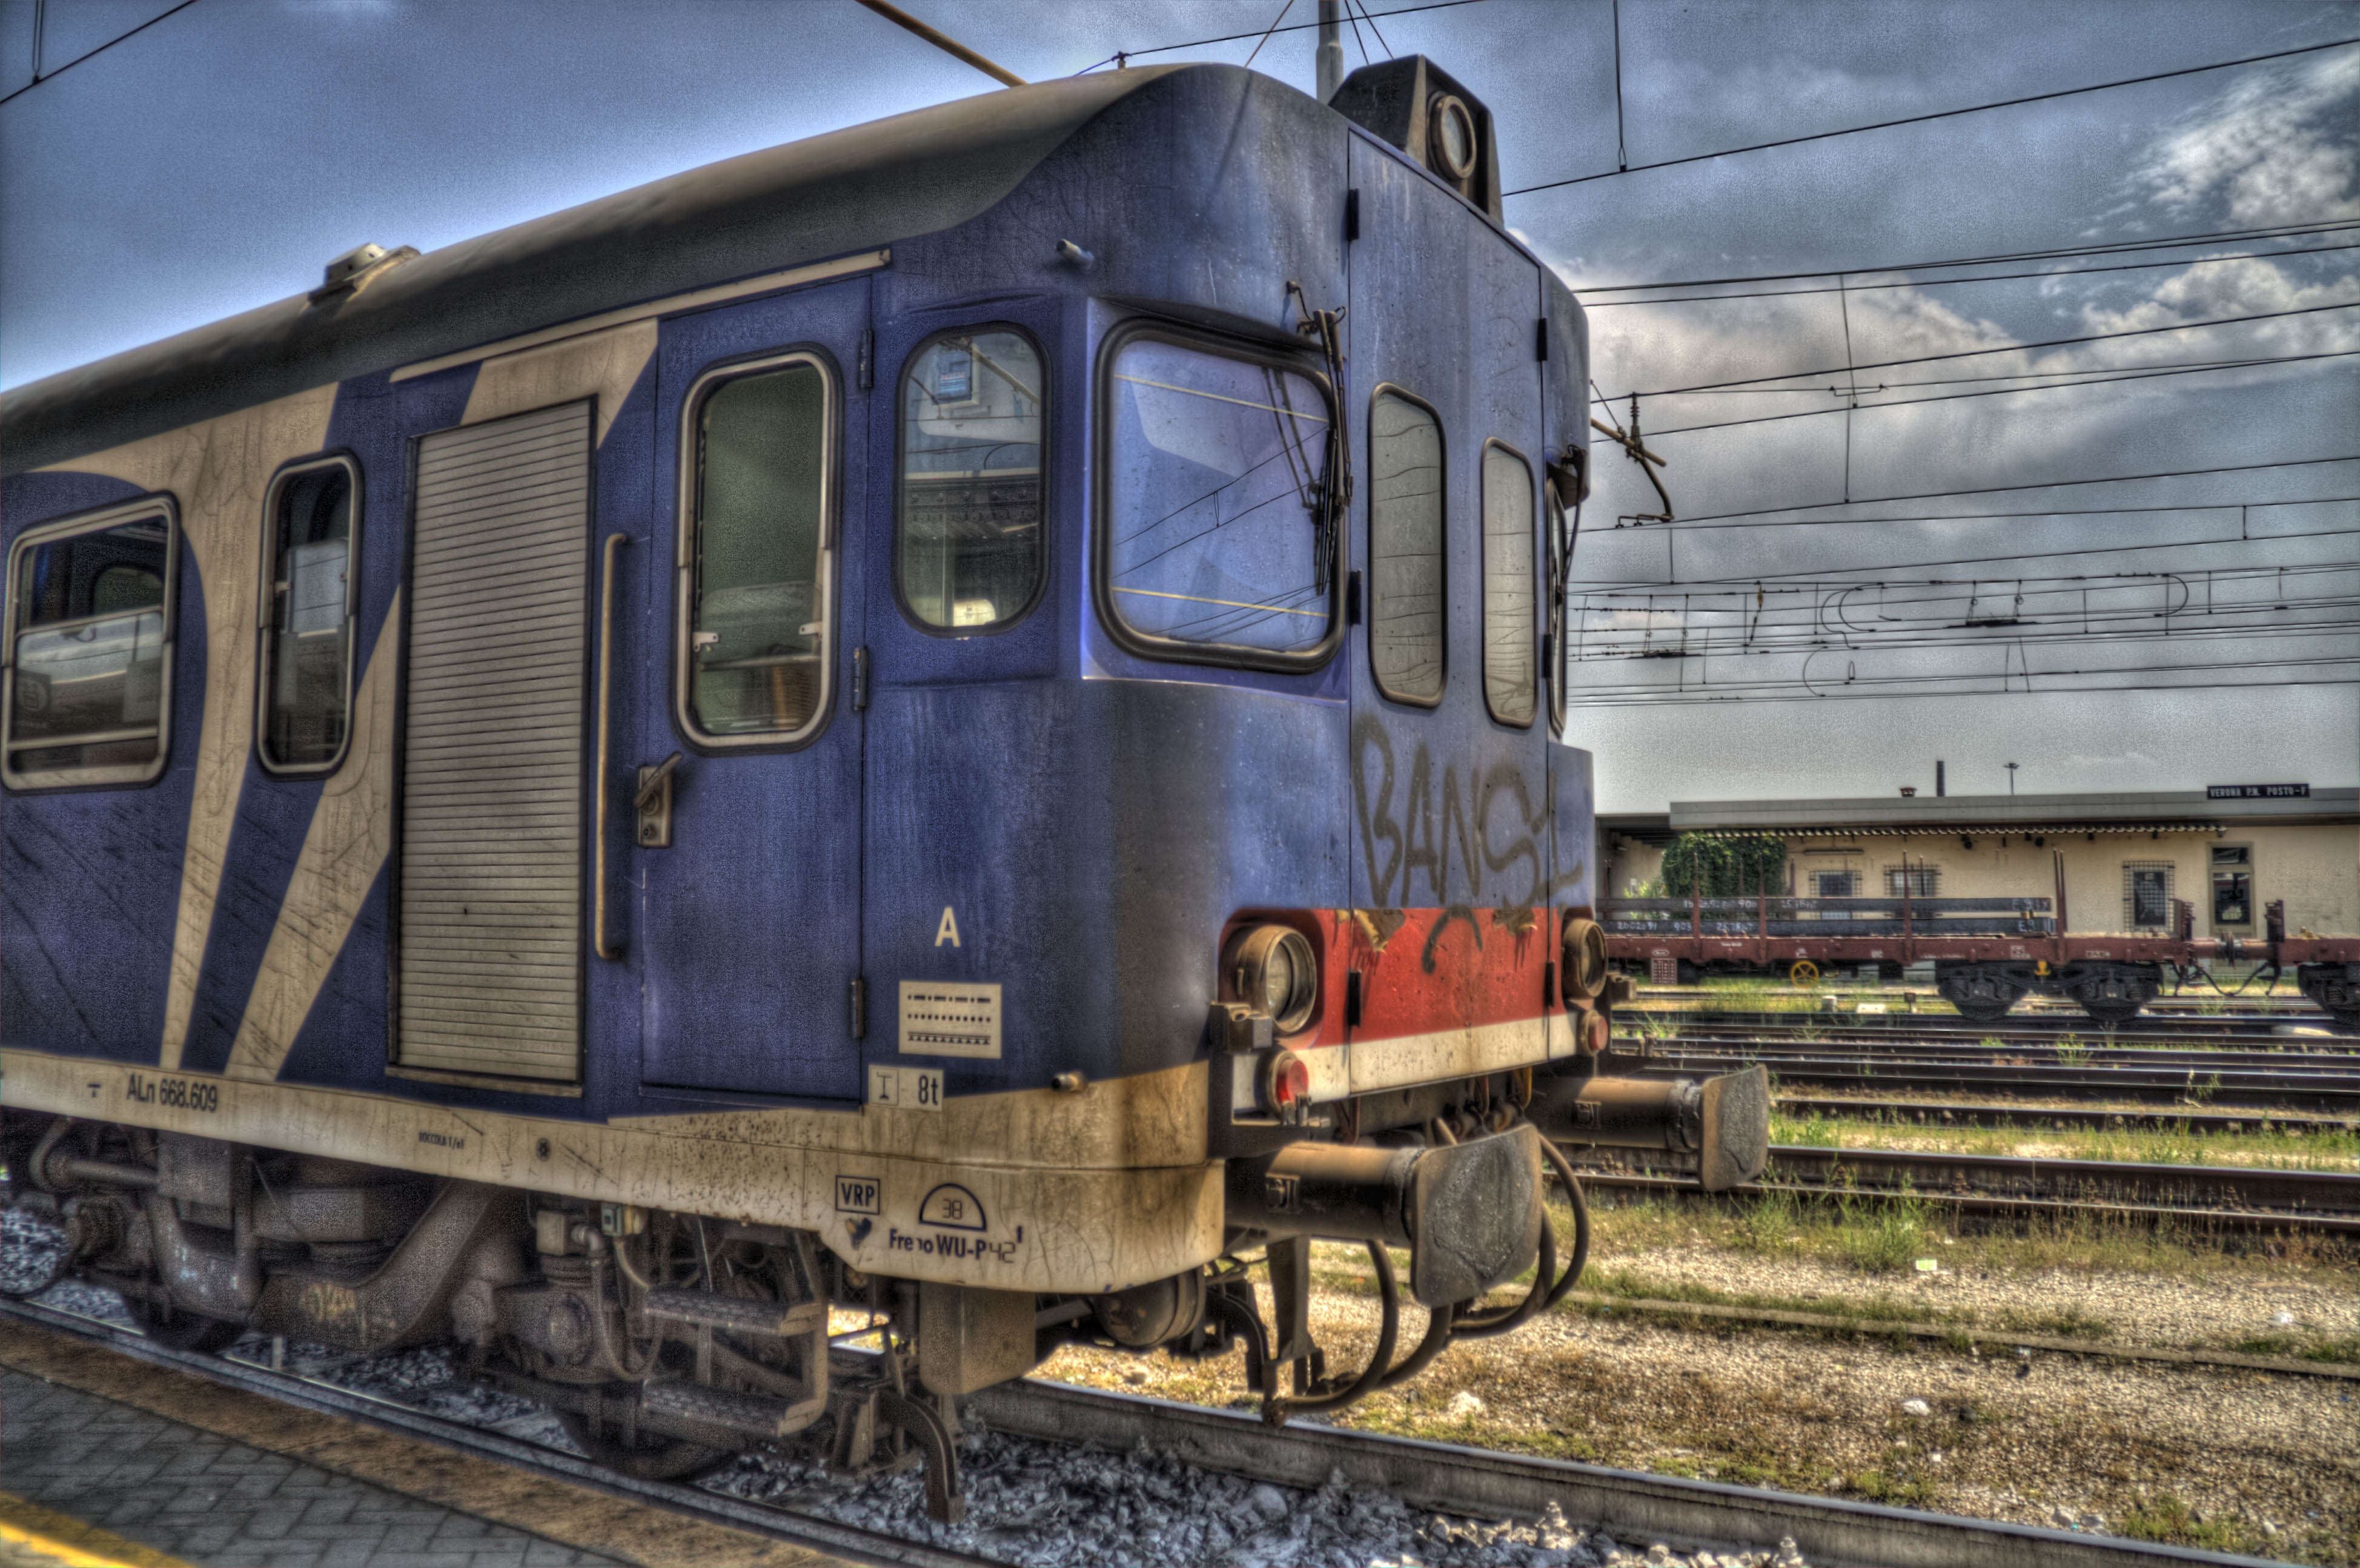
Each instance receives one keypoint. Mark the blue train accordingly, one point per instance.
(956, 721)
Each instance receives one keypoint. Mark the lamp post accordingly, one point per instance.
(2011, 778)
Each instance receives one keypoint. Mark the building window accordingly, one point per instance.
(1834, 884)
(1510, 625)
(1912, 881)
(970, 555)
(2232, 885)
(1406, 559)
(2147, 895)
(1216, 542)
(89, 685)
(306, 651)
(755, 604)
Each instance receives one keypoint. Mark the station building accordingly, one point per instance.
(2127, 856)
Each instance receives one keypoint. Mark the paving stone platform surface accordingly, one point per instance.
(213, 1501)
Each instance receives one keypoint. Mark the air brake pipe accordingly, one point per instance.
(1346, 1192)
(1724, 1121)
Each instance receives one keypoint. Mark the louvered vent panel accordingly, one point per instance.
(491, 839)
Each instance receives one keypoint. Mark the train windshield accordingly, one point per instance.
(1215, 523)
(91, 647)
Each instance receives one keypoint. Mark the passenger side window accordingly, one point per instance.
(1216, 543)
(969, 555)
(90, 650)
(1510, 632)
(1407, 636)
(755, 582)
(306, 657)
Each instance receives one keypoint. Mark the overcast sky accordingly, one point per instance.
(216, 159)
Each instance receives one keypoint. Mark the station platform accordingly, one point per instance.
(105, 1460)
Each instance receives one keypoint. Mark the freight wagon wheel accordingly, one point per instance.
(1982, 1012)
(1803, 973)
(177, 1329)
(648, 1457)
(2112, 1012)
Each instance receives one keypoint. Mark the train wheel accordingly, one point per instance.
(177, 1330)
(647, 1458)
(2109, 1014)
(1803, 973)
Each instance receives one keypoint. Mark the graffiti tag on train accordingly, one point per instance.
(1487, 822)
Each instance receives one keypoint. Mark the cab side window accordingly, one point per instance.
(88, 691)
(968, 554)
(757, 608)
(1406, 635)
(306, 658)
(1511, 628)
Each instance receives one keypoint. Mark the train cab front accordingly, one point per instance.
(1400, 1081)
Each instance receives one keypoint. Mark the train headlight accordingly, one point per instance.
(1273, 969)
(1453, 135)
(1585, 959)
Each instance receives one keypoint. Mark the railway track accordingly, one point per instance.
(1473, 1483)
(2219, 1197)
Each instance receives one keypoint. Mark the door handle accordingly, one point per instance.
(653, 803)
(598, 941)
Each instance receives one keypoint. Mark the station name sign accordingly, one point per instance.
(2258, 791)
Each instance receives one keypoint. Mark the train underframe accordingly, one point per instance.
(2114, 992)
(2110, 992)
(668, 1341)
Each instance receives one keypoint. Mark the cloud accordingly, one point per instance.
(2275, 148)
(2248, 286)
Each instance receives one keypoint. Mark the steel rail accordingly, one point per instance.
(846, 1542)
(1975, 1335)
(1939, 1114)
(2253, 1092)
(1446, 1477)
(1933, 1025)
(2221, 1197)
(2200, 1060)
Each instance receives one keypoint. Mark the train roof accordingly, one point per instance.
(829, 195)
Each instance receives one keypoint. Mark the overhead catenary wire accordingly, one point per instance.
(1591, 585)
(2220, 678)
(1935, 115)
(1955, 282)
(2244, 362)
(1264, 33)
(2110, 376)
(2003, 489)
(1998, 348)
(2095, 247)
(41, 76)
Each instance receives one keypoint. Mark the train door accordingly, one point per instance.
(1450, 795)
(747, 854)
